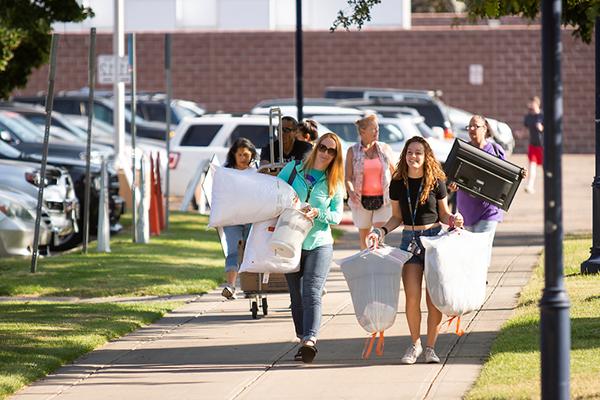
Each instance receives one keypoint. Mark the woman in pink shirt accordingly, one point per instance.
(369, 169)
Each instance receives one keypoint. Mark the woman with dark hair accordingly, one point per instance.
(241, 155)
(307, 131)
(419, 201)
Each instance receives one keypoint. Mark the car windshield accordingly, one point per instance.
(8, 151)
(388, 132)
(10, 120)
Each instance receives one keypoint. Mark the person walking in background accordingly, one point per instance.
(292, 149)
(369, 170)
(319, 182)
(419, 201)
(479, 215)
(535, 152)
(307, 131)
(242, 155)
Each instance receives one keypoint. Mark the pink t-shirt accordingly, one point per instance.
(372, 171)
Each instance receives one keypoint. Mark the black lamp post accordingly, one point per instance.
(554, 305)
(592, 264)
(299, 61)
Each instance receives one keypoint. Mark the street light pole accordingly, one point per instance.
(554, 305)
(592, 264)
(299, 62)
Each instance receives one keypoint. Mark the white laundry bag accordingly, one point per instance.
(373, 276)
(245, 196)
(259, 257)
(456, 265)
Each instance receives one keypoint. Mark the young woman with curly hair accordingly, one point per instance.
(419, 202)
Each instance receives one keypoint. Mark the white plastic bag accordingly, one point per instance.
(456, 265)
(373, 277)
(258, 255)
(244, 197)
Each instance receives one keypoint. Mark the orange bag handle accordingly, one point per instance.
(458, 331)
(369, 342)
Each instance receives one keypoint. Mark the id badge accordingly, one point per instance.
(414, 248)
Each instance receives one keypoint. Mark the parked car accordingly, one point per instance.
(197, 139)
(308, 101)
(152, 108)
(59, 202)
(17, 225)
(309, 110)
(426, 102)
(76, 169)
(76, 103)
(393, 131)
(502, 132)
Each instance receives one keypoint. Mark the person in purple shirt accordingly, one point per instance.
(479, 215)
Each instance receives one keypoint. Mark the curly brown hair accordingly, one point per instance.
(432, 170)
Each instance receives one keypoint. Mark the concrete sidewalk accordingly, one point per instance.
(212, 349)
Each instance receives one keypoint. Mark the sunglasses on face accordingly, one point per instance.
(287, 130)
(329, 150)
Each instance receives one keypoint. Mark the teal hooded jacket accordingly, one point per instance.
(330, 208)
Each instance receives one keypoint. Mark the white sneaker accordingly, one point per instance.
(412, 353)
(229, 292)
(430, 356)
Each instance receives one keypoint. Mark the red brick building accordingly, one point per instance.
(231, 71)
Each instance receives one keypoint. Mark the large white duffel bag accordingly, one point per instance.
(244, 197)
(456, 265)
(373, 277)
(260, 257)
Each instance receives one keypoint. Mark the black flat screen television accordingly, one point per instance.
(484, 175)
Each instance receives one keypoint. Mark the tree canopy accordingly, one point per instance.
(25, 36)
(581, 14)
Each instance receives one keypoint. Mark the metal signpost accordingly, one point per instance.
(91, 83)
(42, 180)
(168, 114)
(132, 66)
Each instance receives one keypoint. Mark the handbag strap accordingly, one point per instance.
(292, 177)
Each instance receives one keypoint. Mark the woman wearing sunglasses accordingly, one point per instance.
(318, 180)
(479, 215)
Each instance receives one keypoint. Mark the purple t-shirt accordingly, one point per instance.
(473, 209)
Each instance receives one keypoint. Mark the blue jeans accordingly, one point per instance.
(233, 234)
(407, 237)
(306, 288)
(484, 226)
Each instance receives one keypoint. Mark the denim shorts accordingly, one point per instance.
(407, 236)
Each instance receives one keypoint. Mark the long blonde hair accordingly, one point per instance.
(335, 169)
(432, 170)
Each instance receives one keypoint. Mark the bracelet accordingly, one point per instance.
(385, 230)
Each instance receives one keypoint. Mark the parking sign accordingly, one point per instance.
(106, 69)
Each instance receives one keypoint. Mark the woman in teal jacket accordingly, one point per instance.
(319, 182)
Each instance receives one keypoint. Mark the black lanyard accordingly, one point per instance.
(410, 208)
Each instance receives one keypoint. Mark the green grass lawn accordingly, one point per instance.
(38, 337)
(513, 369)
(186, 260)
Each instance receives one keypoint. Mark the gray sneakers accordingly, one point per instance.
(412, 353)
(229, 292)
(430, 356)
